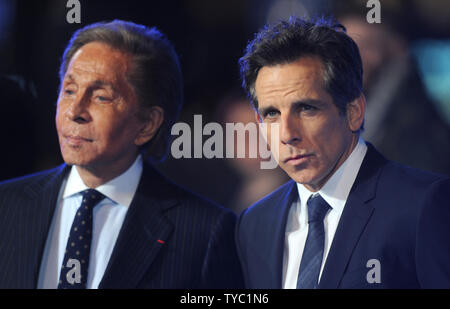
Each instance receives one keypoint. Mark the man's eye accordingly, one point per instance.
(103, 99)
(271, 114)
(68, 92)
(306, 108)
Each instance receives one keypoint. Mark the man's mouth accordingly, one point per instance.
(298, 159)
(76, 140)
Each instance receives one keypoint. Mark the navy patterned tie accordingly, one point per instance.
(308, 275)
(74, 269)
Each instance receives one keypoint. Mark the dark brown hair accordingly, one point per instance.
(287, 41)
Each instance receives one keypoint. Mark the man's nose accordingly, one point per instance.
(78, 109)
(289, 130)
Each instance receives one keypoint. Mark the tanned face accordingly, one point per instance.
(96, 115)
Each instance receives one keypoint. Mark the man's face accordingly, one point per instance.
(96, 114)
(314, 138)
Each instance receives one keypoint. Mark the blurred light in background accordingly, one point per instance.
(282, 9)
(434, 65)
(7, 13)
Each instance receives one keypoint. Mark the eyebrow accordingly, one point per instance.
(98, 83)
(312, 102)
(294, 105)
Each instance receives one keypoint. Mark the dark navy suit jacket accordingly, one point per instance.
(395, 214)
(169, 238)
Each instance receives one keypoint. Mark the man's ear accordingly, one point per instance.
(155, 118)
(355, 113)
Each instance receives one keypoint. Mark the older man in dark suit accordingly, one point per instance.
(349, 218)
(106, 218)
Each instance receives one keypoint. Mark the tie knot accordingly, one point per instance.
(91, 197)
(317, 208)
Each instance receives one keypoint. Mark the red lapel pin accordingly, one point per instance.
(160, 241)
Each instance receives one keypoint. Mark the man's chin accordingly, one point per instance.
(77, 161)
(303, 177)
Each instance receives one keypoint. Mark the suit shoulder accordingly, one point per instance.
(189, 211)
(188, 200)
(404, 190)
(271, 203)
(198, 202)
(408, 177)
(36, 178)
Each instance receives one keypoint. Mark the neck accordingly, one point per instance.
(316, 187)
(95, 176)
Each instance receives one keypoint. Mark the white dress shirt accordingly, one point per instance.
(108, 217)
(335, 192)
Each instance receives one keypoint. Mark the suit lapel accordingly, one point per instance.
(355, 216)
(144, 232)
(278, 241)
(35, 223)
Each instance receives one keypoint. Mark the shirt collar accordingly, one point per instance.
(337, 188)
(120, 189)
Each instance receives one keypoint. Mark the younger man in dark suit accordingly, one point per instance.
(106, 218)
(349, 218)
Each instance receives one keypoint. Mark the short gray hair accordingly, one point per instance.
(156, 75)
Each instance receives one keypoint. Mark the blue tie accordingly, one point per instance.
(74, 269)
(308, 275)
